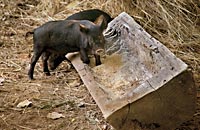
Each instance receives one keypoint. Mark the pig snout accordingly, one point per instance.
(99, 51)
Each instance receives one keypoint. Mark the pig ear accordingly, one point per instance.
(83, 28)
(101, 21)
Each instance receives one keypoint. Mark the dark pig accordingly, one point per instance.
(64, 36)
(91, 15)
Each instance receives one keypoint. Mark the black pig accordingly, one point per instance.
(91, 15)
(64, 36)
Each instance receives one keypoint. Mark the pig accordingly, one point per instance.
(65, 36)
(91, 15)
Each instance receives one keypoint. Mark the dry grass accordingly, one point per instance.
(176, 23)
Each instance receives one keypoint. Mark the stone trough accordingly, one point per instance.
(140, 80)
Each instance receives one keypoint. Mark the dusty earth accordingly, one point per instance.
(62, 92)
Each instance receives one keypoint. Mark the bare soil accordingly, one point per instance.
(62, 92)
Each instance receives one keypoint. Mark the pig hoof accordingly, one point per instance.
(87, 62)
(52, 68)
(47, 73)
(31, 78)
(98, 64)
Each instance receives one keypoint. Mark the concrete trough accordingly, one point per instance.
(140, 80)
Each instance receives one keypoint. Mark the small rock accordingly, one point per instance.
(1, 81)
(23, 104)
(55, 115)
(81, 105)
(73, 119)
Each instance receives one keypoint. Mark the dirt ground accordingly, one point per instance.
(62, 92)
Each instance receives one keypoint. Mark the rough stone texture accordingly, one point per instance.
(150, 84)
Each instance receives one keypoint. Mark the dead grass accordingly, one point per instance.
(175, 23)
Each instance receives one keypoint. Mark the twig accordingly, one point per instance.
(4, 120)
(25, 127)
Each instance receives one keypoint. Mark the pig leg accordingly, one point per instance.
(53, 63)
(84, 56)
(97, 59)
(45, 58)
(34, 59)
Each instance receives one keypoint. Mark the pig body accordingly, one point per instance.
(64, 36)
(91, 15)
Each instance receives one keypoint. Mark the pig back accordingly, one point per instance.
(91, 15)
(58, 35)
